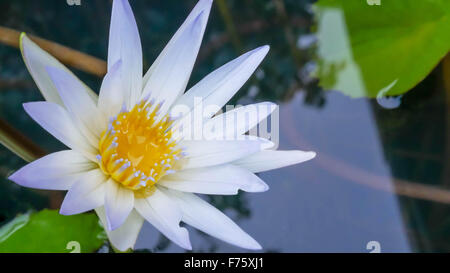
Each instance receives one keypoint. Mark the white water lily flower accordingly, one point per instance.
(123, 160)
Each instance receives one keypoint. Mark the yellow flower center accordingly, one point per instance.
(137, 149)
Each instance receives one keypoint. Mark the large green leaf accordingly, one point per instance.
(48, 231)
(368, 50)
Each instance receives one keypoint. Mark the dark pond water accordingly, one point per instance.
(377, 159)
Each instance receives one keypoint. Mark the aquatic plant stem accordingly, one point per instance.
(26, 149)
(18, 143)
(66, 55)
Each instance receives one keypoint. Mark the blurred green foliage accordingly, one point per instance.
(385, 50)
(48, 231)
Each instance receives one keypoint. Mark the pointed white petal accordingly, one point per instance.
(202, 6)
(222, 179)
(238, 121)
(201, 215)
(215, 152)
(169, 78)
(219, 86)
(56, 171)
(125, 45)
(110, 99)
(124, 237)
(119, 202)
(165, 215)
(269, 160)
(79, 105)
(86, 194)
(36, 60)
(56, 120)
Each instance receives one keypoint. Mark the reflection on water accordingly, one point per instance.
(367, 148)
(389, 102)
(335, 54)
(315, 207)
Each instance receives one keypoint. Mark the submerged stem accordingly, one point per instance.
(18, 143)
(64, 54)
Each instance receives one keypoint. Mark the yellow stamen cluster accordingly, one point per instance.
(137, 149)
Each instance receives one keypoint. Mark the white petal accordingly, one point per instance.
(169, 78)
(119, 202)
(222, 179)
(56, 120)
(124, 237)
(36, 60)
(219, 86)
(240, 120)
(201, 215)
(202, 6)
(215, 152)
(79, 105)
(86, 194)
(269, 160)
(110, 99)
(165, 215)
(125, 45)
(56, 171)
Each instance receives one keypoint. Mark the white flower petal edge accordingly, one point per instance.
(125, 45)
(165, 215)
(86, 194)
(119, 202)
(201, 215)
(124, 237)
(202, 153)
(170, 77)
(79, 105)
(220, 85)
(56, 171)
(269, 160)
(56, 120)
(222, 179)
(36, 61)
(202, 6)
(241, 120)
(110, 99)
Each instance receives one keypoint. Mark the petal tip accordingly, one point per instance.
(12, 176)
(23, 37)
(184, 241)
(265, 187)
(256, 186)
(251, 244)
(312, 155)
(64, 210)
(32, 107)
(67, 208)
(256, 247)
(15, 177)
(205, 4)
(27, 106)
(264, 49)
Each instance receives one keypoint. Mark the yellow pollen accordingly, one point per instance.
(137, 149)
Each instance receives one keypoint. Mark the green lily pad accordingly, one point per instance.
(48, 231)
(376, 50)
